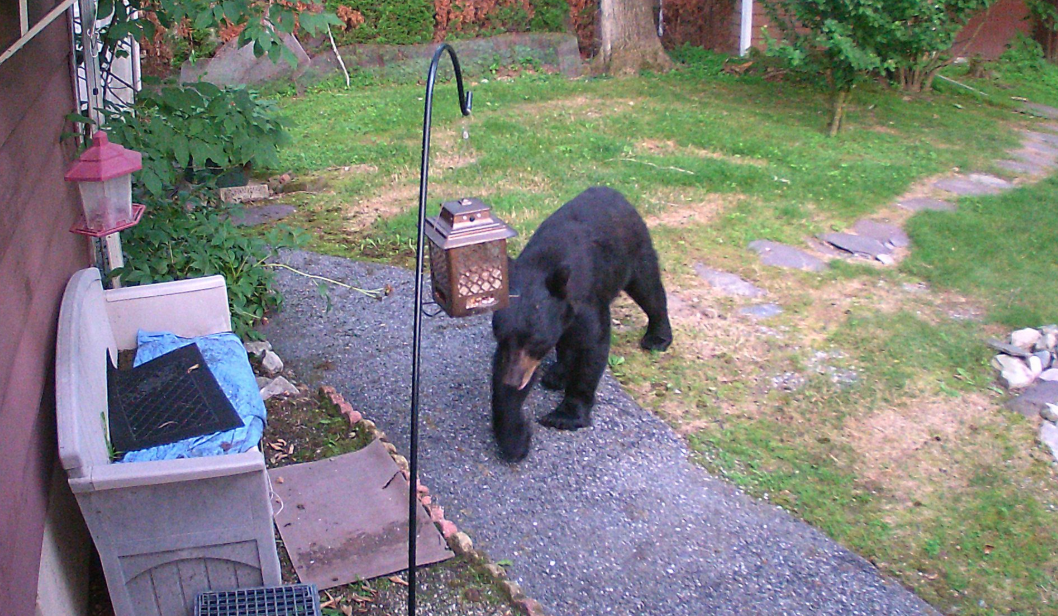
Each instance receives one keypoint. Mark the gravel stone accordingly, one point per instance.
(278, 386)
(611, 520)
(1049, 437)
(1025, 338)
(271, 363)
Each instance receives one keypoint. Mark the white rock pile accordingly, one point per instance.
(1030, 356)
(272, 384)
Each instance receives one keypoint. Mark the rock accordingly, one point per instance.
(390, 447)
(726, 283)
(1049, 437)
(1014, 372)
(261, 214)
(258, 348)
(354, 417)
(1035, 366)
(1009, 349)
(513, 590)
(448, 528)
(919, 204)
(1021, 166)
(461, 543)
(1025, 338)
(1044, 357)
(761, 311)
(888, 234)
(856, 244)
(529, 607)
(271, 363)
(494, 571)
(1048, 338)
(1035, 398)
(1049, 412)
(968, 186)
(885, 259)
(991, 180)
(1041, 110)
(233, 64)
(781, 255)
(279, 386)
(262, 381)
(1049, 375)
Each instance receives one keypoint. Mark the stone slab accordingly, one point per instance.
(1035, 398)
(1009, 349)
(884, 232)
(1048, 138)
(233, 64)
(964, 186)
(919, 204)
(761, 311)
(242, 194)
(1037, 149)
(727, 283)
(1049, 437)
(261, 214)
(856, 244)
(1051, 126)
(1020, 166)
(345, 518)
(781, 255)
(1044, 111)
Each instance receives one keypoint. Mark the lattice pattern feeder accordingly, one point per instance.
(468, 258)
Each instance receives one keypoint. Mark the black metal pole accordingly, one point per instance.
(464, 107)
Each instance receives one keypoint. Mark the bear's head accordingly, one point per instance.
(525, 331)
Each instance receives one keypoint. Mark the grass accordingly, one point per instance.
(890, 437)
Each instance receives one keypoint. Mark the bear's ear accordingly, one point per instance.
(556, 281)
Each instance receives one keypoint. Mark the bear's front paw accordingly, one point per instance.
(514, 447)
(567, 417)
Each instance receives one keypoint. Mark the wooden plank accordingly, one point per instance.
(24, 76)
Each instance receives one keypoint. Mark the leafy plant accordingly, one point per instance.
(549, 16)
(396, 22)
(1045, 14)
(174, 242)
(194, 132)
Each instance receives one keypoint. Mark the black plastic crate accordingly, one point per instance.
(291, 600)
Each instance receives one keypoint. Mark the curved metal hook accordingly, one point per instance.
(465, 100)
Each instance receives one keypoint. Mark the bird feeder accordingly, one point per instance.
(468, 258)
(103, 174)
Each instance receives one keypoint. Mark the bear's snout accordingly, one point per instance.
(520, 368)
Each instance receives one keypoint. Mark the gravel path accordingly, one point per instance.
(608, 520)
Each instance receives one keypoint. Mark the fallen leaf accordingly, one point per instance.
(276, 446)
(291, 450)
(989, 548)
(279, 480)
(330, 602)
(347, 610)
(397, 580)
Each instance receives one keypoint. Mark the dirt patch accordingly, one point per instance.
(393, 200)
(578, 107)
(680, 208)
(916, 449)
(660, 148)
(305, 429)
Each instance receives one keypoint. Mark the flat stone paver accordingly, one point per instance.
(727, 283)
(253, 215)
(919, 204)
(781, 255)
(856, 244)
(761, 311)
(967, 187)
(886, 233)
(1048, 138)
(1041, 110)
(610, 520)
(1020, 166)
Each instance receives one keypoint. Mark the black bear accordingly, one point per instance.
(562, 285)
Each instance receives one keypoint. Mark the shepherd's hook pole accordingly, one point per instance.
(464, 106)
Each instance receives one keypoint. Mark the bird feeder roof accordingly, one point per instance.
(464, 222)
(104, 161)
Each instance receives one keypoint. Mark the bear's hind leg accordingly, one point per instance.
(648, 293)
(586, 364)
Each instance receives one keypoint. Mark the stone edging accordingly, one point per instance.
(458, 541)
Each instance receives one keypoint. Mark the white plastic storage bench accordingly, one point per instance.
(165, 530)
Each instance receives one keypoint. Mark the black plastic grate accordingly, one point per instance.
(167, 399)
(290, 600)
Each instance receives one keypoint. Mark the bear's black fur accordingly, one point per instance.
(562, 284)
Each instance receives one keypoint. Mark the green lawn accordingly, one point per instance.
(912, 462)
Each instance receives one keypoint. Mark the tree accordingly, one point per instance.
(919, 35)
(628, 41)
(836, 38)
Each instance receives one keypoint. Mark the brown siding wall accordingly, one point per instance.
(988, 33)
(37, 256)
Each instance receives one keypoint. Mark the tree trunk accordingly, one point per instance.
(841, 99)
(628, 41)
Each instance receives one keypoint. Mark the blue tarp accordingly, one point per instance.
(226, 358)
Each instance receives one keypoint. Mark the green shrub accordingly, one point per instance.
(699, 61)
(172, 242)
(195, 132)
(549, 16)
(394, 22)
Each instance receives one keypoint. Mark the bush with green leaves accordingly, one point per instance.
(848, 40)
(549, 16)
(185, 238)
(392, 22)
(193, 132)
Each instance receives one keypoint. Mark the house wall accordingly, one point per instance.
(988, 33)
(37, 256)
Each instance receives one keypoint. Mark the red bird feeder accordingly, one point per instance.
(104, 176)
